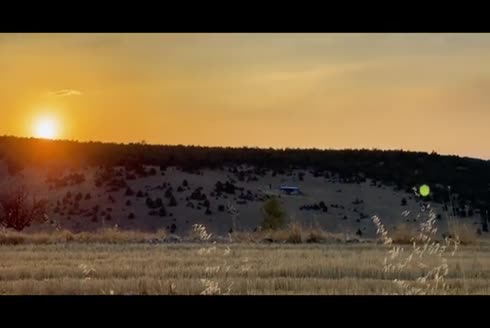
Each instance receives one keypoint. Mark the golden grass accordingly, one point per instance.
(252, 269)
(465, 234)
(403, 234)
(106, 235)
(292, 234)
(297, 260)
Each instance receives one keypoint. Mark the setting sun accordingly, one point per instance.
(45, 128)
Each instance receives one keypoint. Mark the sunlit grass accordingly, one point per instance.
(272, 269)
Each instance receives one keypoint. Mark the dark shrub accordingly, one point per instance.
(162, 212)
(14, 167)
(172, 202)
(273, 215)
(149, 203)
(158, 202)
(17, 211)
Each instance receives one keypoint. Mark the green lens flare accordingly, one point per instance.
(424, 190)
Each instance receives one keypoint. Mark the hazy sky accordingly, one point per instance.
(404, 91)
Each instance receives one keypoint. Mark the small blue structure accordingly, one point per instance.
(290, 190)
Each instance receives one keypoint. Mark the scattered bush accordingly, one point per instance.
(295, 234)
(462, 232)
(149, 203)
(158, 203)
(273, 215)
(14, 167)
(172, 202)
(227, 187)
(17, 212)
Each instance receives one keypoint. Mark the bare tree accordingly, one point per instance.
(232, 210)
(17, 212)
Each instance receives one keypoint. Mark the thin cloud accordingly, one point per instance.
(65, 93)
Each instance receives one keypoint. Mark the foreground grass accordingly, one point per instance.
(292, 234)
(245, 269)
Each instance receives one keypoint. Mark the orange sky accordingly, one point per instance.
(411, 91)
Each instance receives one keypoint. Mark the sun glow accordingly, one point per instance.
(45, 128)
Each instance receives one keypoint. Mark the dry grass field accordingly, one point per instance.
(243, 269)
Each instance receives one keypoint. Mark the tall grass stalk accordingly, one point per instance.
(427, 254)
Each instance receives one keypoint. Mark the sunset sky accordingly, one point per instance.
(390, 91)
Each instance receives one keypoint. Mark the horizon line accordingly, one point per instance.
(145, 143)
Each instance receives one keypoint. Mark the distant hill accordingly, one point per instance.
(468, 178)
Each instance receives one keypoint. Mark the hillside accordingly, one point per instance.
(145, 187)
